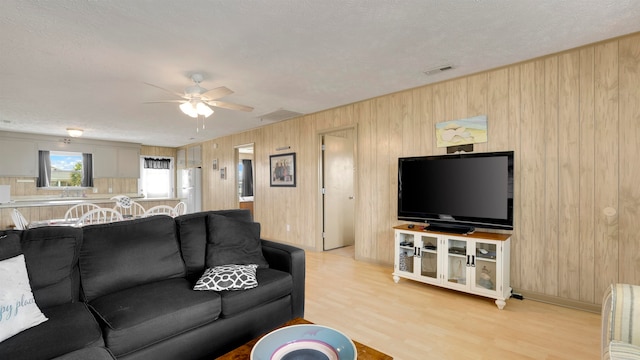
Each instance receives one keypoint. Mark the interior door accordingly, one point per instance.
(338, 199)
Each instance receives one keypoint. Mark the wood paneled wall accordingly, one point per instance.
(573, 120)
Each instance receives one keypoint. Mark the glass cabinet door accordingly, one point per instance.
(406, 252)
(429, 257)
(456, 261)
(485, 269)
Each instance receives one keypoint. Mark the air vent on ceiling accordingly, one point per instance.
(438, 69)
(279, 115)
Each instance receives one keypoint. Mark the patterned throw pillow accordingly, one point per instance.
(18, 309)
(228, 277)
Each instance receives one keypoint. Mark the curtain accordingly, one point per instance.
(44, 169)
(247, 178)
(87, 170)
(151, 163)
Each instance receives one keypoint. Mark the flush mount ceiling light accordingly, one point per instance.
(74, 132)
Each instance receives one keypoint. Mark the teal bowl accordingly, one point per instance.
(310, 341)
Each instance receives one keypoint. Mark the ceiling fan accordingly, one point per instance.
(196, 99)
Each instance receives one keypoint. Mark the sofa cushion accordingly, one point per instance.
(70, 327)
(272, 285)
(92, 353)
(124, 254)
(18, 308)
(228, 277)
(51, 254)
(137, 317)
(10, 244)
(232, 241)
(192, 232)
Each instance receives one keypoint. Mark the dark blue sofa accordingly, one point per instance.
(125, 290)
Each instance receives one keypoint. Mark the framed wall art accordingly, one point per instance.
(472, 130)
(283, 170)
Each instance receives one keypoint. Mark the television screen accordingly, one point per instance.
(464, 190)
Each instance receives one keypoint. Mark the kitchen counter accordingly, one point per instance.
(44, 208)
(66, 201)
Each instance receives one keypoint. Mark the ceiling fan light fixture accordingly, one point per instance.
(203, 109)
(74, 132)
(189, 109)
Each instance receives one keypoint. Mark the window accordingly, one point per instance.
(64, 169)
(156, 177)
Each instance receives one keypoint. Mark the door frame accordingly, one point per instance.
(236, 160)
(320, 204)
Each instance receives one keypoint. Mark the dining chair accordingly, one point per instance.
(128, 207)
(181, 208)
(122, 200)
(19, 220)
(76, 211)
(99, 216)
(161, 210)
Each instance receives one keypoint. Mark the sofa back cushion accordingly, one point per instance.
(10, 244)
(233, 242)
(193, 230)
(125, 254)
(51, 254)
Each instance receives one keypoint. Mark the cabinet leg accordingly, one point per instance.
(501, 304)
(396, 278)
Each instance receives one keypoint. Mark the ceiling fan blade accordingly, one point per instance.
(216, 93)
(169, 91)
(230, 106)
(164, 101)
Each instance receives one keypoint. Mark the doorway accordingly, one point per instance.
(244, 171)
(338, 177)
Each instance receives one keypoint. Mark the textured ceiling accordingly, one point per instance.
(69, 63)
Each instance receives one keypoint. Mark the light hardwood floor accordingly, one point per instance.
(410, 320)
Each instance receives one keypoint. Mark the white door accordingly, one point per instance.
(338, 199)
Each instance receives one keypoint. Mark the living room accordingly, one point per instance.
(562, 114)
(571, 118)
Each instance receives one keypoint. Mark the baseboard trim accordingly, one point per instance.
(555, 300)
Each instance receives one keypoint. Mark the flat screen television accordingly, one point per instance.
(458, 192)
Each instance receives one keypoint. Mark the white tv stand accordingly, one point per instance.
(476, 263)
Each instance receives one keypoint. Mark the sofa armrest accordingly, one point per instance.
(620, 318)
(292, 260)
(619, 350)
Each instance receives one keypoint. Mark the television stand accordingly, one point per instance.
(475, 263)
(450, 228)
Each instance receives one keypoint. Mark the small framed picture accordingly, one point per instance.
(223, 173)
(283, 170)
(215, 164)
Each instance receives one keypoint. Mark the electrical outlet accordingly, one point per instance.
(110, 190)
(288, 227)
